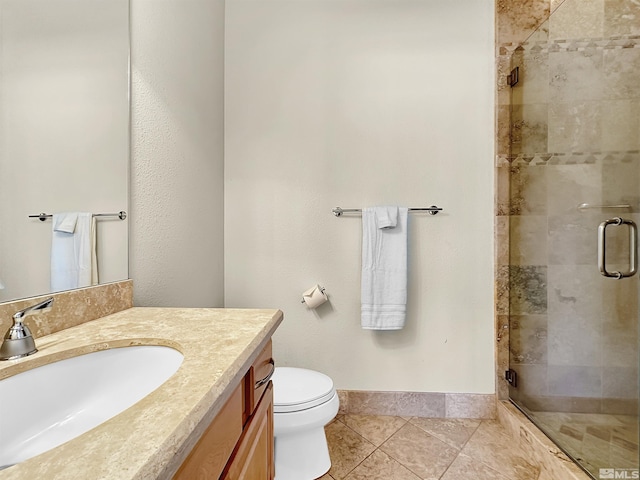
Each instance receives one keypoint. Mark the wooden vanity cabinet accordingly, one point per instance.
(239, 443)
(253, 458)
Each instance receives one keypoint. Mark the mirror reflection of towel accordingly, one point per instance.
(73, 254)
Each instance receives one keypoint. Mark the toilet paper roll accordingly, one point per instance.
(315, 296)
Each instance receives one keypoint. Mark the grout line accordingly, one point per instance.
(375, 448)
(449, 466)
(363, 460)
(471, 436)
(476, 460)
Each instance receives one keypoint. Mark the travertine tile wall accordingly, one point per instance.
(418, 404)
(575, 138)
(70, 308)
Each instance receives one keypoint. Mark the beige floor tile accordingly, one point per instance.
(452, 431)
(423, 454)
(376, 429)
(380, 466)
(347, 449)
(491, 445)
(425, 448)
(464, 467)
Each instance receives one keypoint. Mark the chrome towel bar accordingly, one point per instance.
(433, 210)
(121, 215)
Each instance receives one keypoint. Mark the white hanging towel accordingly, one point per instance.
(73, 251)
(384, 268)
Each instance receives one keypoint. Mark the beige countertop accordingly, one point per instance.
(150, 439)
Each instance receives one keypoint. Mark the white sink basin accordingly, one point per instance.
(52, 404)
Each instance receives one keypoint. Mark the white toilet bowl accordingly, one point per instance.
(304, 401)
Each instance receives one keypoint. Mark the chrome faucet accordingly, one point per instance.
(18, 341)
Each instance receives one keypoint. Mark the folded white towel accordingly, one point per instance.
(65, 222)
(384, 269)
(73, 253)
(386, 217)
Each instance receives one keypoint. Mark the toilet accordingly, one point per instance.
(304, 401)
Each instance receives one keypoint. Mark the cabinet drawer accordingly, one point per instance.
(210, 455)
(257, 379)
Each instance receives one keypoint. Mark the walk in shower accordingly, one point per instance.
(574, 204)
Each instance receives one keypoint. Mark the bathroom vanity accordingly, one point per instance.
(238, 444)
(211, 419)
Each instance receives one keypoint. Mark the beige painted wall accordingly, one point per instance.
(176, 241)
(358, 103)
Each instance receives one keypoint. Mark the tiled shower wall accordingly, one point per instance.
(574, 138)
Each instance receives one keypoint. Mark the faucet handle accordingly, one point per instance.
(43, 306)
(18, 341)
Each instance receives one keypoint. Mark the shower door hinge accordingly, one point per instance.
(513, 77)
(511, 377)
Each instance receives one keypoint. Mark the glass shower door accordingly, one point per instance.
(574, 203)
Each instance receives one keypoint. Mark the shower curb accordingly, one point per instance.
(554, 463)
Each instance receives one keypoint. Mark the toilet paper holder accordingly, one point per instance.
(322, 290)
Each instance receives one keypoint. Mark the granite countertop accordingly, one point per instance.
(152, 438)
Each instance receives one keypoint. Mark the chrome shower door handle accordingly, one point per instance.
(633, 248)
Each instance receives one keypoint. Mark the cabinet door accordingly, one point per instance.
(210, 455)
(253, 459)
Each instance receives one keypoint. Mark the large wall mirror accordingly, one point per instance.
(64, 133)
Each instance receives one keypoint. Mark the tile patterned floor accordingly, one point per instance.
(412, 448)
